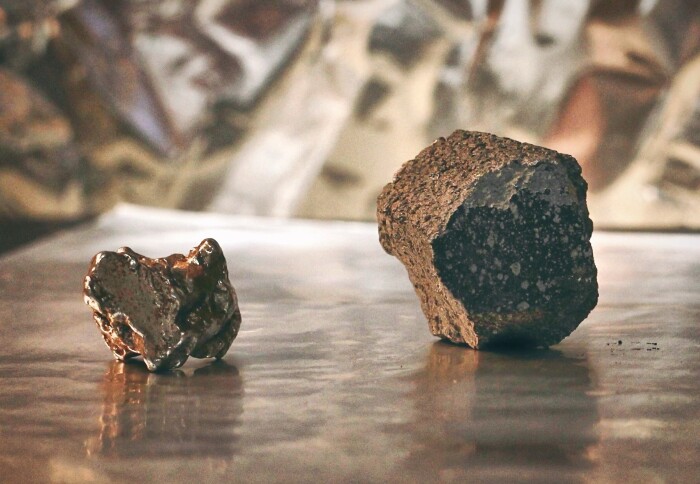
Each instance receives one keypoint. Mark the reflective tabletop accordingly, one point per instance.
(335, 377)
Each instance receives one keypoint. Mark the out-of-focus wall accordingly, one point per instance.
(307, 107)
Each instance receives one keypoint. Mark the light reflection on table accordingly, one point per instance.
(334, 376)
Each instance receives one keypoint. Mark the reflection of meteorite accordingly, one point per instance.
(495, 236)
(176, 413)
(164, 309)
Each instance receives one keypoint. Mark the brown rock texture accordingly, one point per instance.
(164, 309)
(495, 236)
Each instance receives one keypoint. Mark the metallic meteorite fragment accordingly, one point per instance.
(495, 236)
(164, 309)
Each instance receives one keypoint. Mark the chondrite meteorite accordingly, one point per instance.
(495, 236)
(164, 309)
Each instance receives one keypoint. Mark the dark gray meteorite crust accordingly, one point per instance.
(519, 244)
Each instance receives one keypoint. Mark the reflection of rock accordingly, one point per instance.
(168, 414)
(445, 389)
(524, 410)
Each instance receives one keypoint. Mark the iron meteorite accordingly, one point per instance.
(165, 309)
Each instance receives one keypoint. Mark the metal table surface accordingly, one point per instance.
(334, 376)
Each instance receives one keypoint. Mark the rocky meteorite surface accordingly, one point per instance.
(164, 309)
(495, 236)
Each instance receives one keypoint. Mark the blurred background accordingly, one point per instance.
(306, 108)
